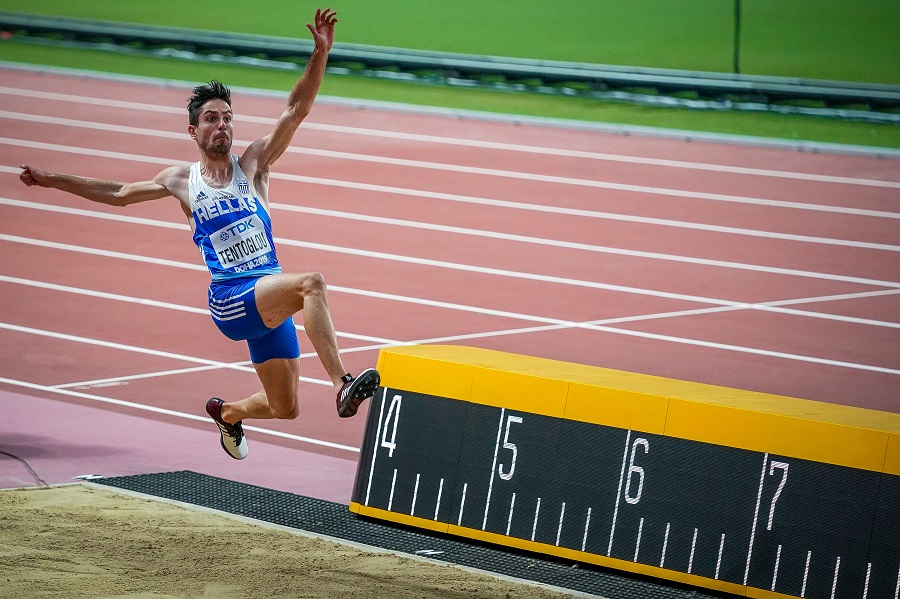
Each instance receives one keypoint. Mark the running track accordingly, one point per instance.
(765, 269)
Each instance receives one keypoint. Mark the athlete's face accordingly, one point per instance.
(213, 132)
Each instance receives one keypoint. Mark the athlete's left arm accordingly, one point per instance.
(260, 155)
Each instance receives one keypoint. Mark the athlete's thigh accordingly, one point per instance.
(280, 380)
(279, 296)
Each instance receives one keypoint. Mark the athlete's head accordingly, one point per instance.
(209, 115)
(214, 90)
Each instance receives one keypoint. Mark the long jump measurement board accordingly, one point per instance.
(748, 493)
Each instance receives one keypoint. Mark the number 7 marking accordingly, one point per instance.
(784, 467)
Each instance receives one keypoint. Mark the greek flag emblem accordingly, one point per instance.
(243, 187)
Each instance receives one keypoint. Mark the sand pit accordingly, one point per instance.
(84, 540)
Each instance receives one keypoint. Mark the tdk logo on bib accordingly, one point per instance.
(240, 243)
(242, 227)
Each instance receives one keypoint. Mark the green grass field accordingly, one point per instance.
(830, 39)
(792, 127)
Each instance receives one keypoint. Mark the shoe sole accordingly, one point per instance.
(366, 384)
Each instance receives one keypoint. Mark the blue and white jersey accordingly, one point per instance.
(232, 227)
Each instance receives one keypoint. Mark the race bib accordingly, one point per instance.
(241, 242)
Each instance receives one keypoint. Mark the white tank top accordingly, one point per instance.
(232, 227)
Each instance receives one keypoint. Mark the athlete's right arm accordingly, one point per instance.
(112, 193)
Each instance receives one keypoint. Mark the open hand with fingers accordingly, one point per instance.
(323, 30)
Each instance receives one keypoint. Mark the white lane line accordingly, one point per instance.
(661, 315)
(742, 349)
(343, 129)
(472, 232)
(337, 288)
(420, 194)
(239, 366)
(137, 377)
(159, 304)
(147, 408)
(643, 189)
(471, 170)
(384, 256)
(122, 347)
(766, 306)
(556, 324)
(577, 246)
(598, 325)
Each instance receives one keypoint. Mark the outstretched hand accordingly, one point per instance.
(323, 31)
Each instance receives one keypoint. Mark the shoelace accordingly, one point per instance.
(235, 431)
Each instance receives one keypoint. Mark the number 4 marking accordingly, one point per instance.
(784, 467)
(395, 411)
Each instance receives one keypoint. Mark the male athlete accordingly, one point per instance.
(225, 199)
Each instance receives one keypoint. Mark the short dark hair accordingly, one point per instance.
(214, 90)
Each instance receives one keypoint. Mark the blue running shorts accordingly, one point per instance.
(232, 304)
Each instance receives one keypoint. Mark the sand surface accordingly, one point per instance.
(83, 540)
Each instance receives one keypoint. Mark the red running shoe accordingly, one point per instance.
(233, 441)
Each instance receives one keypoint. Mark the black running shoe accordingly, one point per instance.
(233, 441)
(356, 390)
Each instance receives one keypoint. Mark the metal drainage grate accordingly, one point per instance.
(335, 520)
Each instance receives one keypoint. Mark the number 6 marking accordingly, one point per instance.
(632, 469)
(508, 445)
(395, 411)
(782, 466)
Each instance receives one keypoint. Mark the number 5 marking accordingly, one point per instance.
(508, 445)
(395, 411)
(784, 467)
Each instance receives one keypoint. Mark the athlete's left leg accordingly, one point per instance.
(278, 397)
(283, 295)
(280, 296)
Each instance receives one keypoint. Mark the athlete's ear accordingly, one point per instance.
(192, 131)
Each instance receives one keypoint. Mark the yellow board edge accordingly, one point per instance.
(792, 427)
(764, 594)
(599, 560)
(563, 552)
(416, 521)
(892, 457)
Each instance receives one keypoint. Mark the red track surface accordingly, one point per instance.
(786, 263)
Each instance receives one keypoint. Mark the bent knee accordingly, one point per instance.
(286, 412)
(314, 283)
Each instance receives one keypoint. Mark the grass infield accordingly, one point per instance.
(834, 39)
(790, 127)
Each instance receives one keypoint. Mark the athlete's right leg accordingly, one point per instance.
(275, 354)
(278, 397)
